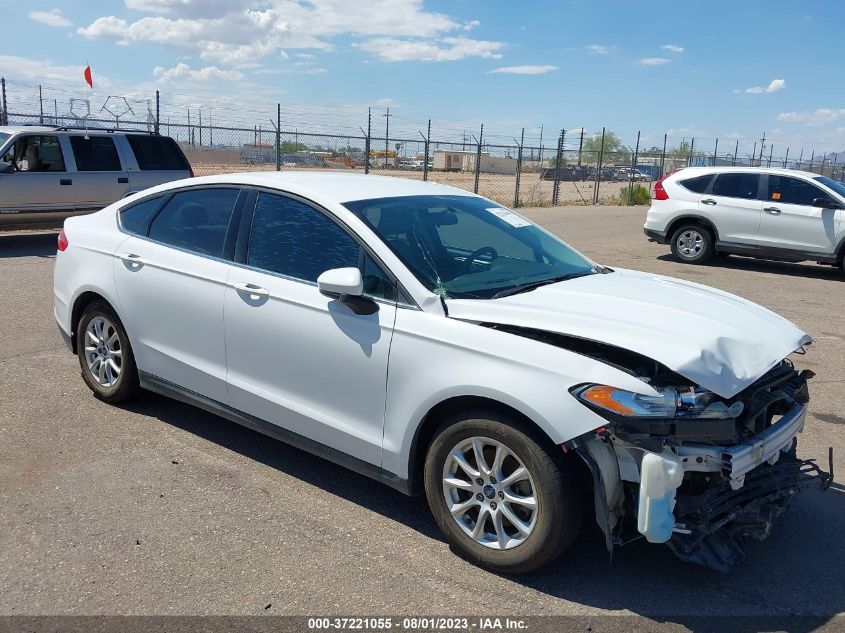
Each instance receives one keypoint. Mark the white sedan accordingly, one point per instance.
(439, 342)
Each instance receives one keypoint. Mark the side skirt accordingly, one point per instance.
(776, 254)
(171, 390)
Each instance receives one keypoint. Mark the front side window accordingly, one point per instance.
(293, 239)
(95, 153)
(788, 190)
(196, 220)
(736, 186)
(464, 246)
(36, 154)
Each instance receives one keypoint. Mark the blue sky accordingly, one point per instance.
(717, 69)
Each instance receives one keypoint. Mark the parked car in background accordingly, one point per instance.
(756, 211)
(49, 173)
(626, 174)
(443, 344)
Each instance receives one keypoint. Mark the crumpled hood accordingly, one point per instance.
(715, 339)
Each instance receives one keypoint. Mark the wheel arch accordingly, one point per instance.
(692, 219)
(82, 301)
(452, 406)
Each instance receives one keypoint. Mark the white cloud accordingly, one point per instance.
(524, 70)
(674, 48)
(774, 86)
(820, 116)
(307, 56)
(597, 49)
(391, 49)
(207, 73)
(686, 131)
(654, 61)
(735, 136)
(53, 17)
(240, 31)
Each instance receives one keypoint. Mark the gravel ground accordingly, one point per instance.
(159, 508)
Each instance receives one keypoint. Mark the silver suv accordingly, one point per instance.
(50, 173)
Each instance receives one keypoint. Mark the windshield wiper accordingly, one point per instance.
(507, 292)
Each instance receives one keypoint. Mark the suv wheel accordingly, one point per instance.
(692, 244)
(105, 356)
(500, 498)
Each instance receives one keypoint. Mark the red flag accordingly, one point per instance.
(88, 79)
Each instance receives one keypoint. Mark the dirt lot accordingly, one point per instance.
(159, 508)
(533, 192)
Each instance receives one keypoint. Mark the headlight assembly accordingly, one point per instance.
(669, 403)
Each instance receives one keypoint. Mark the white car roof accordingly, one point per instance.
(340, 187)
(688, 172)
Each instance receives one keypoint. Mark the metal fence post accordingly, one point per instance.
(367, 140)
(158, 112)
(663, 156)
(786, 158)
(753, 154)
(736, 151)
(812, 158)
(580, 146)
(771, 152)
(478, 159)
(598, 169)
(633, 167)
(715, 152)
(4, 115)
(427, 145)
(558, 162)
(278, 137)
(518, 169)
(691, 151)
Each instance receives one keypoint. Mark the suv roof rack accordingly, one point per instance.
(73, 128)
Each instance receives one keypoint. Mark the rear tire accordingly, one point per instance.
(529, 518)
(692, 244)
(105, 355)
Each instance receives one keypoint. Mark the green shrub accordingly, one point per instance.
(639, 195)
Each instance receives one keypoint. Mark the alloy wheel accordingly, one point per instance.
(103, 353)
(690, 244)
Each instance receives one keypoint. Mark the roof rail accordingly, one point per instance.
(73, 128)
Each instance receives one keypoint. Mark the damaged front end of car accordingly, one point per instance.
(702, 473)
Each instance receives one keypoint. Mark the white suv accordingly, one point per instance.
(439, 342)
(769, 213)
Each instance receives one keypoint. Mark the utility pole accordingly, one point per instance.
(386, 116)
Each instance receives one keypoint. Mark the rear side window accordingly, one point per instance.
(293, 239)
(135, 218)
(95, 153)
(196, 220)
(157, 153)
(793, 191)
(698, 184)
(736, 186)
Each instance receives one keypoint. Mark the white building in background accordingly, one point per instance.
(464, 160)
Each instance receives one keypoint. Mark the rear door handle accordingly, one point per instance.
(123, 180)
(772, 210)
(709, 201)
(65, 181)
(136, 261)
(251, 289)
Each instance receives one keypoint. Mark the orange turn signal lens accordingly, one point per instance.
(602, 396)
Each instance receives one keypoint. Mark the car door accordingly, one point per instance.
(171, 276)
(39, 180)
(731, 203)
(312, 364)
(791, 222)
(101, 176)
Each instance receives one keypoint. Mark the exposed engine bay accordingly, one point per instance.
(702, 473)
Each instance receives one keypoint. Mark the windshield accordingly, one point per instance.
(837, 186)
(463, 246)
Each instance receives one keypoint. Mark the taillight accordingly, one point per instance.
(62, 240)
(659, 193)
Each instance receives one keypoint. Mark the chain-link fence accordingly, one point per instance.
(572, 167)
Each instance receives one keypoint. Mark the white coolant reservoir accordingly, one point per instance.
(660, 476)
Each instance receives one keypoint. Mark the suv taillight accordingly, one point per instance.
(659, 193)
(62, 245)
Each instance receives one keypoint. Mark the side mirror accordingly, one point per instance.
(5, 167)
(827, 203)
(341, 281)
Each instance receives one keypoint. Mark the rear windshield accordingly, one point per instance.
(157, 153)
(837, 186)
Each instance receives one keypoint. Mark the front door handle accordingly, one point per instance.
(123, 180)
(65, 181)
(772, 210)
(708, 201)
(252, 290)
(133, 260)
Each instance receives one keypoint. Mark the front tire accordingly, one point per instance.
(498, 495)
(105, 355)
(692, 244)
